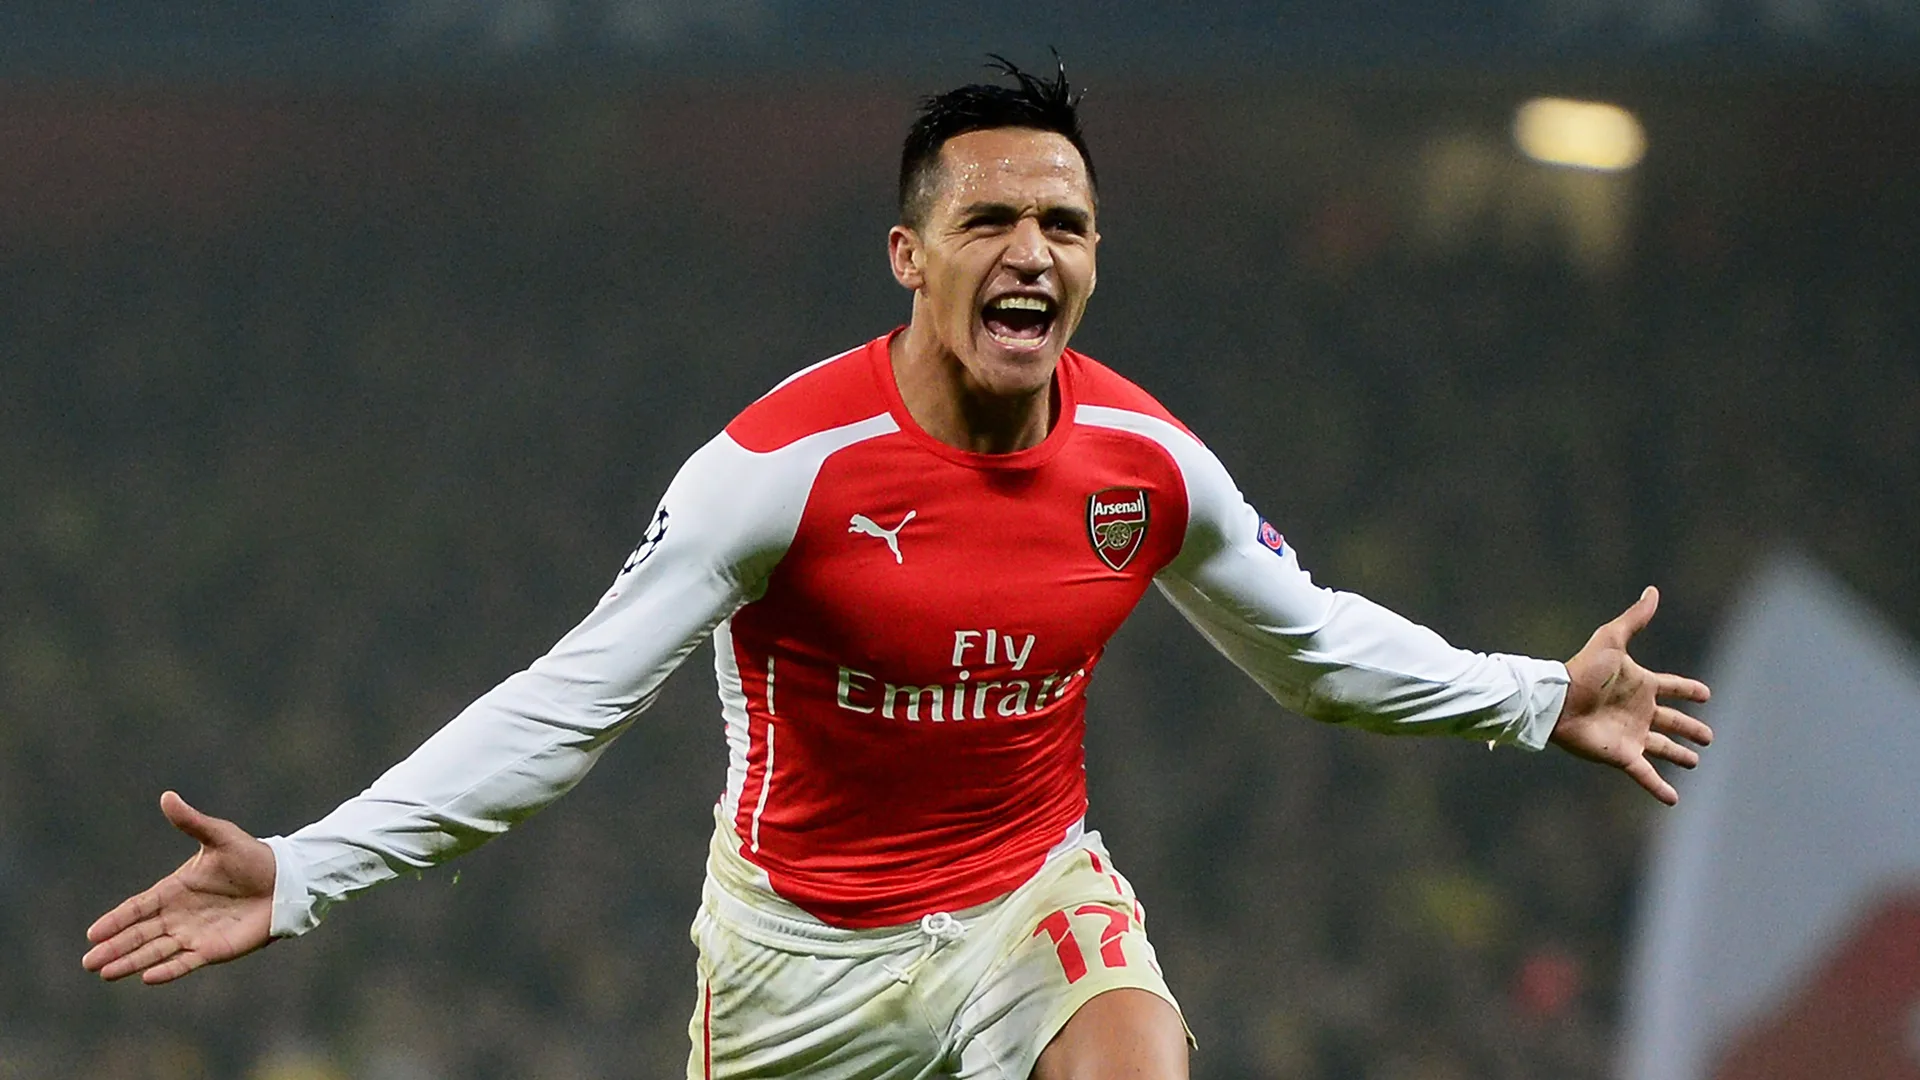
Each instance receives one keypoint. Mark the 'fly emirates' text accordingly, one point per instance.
(964, 698)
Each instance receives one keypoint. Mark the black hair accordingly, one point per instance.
(1041, 104)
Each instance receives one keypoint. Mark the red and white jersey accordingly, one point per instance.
(904, 634)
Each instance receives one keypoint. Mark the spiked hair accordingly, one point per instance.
(1041, 104)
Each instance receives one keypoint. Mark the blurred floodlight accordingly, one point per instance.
(1583, 134)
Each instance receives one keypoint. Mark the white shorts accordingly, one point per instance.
(970, 995)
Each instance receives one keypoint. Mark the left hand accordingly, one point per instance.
(1612, 712)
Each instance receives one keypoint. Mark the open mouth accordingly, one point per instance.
(1019, 322)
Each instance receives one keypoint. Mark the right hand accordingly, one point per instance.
(217, 907)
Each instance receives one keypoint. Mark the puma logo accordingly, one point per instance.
(861, 523)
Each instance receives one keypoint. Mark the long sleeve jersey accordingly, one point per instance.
(903, 637)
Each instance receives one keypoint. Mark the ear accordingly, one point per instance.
(904, 255)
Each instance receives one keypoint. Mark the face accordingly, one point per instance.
(1002, 265)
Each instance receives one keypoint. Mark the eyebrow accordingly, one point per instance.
(1071, 214)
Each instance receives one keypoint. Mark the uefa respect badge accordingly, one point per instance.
(1271, 539)
(1117, 524)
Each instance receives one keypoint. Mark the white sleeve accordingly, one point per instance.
(1329, 655)
(723, 524)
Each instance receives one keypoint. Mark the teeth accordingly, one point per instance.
(1022, 303)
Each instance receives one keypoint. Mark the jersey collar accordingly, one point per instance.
(880, 360)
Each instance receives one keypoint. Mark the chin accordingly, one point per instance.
(1011, 373)
(1012, 370)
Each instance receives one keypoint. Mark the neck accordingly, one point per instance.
(951, 406)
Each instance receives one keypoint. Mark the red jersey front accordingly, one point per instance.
(913, 678)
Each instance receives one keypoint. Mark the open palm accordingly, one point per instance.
(216, 907)
(1613, 714)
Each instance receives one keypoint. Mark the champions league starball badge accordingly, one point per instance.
(1117, 524)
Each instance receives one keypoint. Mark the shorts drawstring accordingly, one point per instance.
(940, 928)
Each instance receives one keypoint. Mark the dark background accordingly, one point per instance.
(342, 357)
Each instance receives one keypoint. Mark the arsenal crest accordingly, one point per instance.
(1117, 524)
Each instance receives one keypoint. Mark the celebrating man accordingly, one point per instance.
(910, 558)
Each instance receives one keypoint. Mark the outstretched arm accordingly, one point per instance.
(1335, 656)
(1613, 713)
(216, 907)
(1340, 658)
(514, 750)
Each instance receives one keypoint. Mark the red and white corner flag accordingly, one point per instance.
(1779, 932)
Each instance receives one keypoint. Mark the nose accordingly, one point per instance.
(1027, 250)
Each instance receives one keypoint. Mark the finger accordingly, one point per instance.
(173, 968)
(1670, 721)
(1648, 777)
(209, 830)
(129, 911)
(1640, 613)
(1617, 631)
(1679, 686)
(142, 958)
(1666, 749)
(186, 818)
(121, 944)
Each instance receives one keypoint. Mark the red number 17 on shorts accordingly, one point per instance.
(1073, 961)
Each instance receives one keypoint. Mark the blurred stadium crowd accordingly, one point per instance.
(304, 449)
